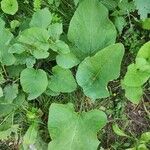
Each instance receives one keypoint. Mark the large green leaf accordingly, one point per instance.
(41, 18)
(134, 77)
(144, 52)
(143, 59)
(90, 29)
(143, 7)
(143, 65)
(34, 82)
(74, 131)
(62, 80)
(5, 57)
(9, 6)
(134, 94)
(146, 23)
(37, 41)
(95, 72)
(137, 74)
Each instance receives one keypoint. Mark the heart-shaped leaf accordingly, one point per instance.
(90, 29)
(74, 131)
(95, 72)
(137, 74)
(68, 60)
(34, 82)
(62, 80)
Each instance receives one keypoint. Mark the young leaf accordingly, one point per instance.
(37, 4)
(34, 82)
(60, 47)
(55, 30)
(1, 92)
(21, 59)
(50, 1)
(120, 23)
(91, 31)
(62, 80)
(2, 80)
(145, 137)
(73, 130)
(5, 57)
(49, 92)
(37, 41)
(57, 2)
(16, 48)
(95, 72)
(9, 6)
(67, 60)
(76, 2)
(10, 92)
(2, 23)
(126, 7)
(142, 147)
(41, 18)
(6, 109)
(19, 100)
(146, 24)
(4, 135)
(134, 94)
(118, 131)
(134, 148)
(30, 61)
(14, 24)
(30, 136)
(110, 4)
